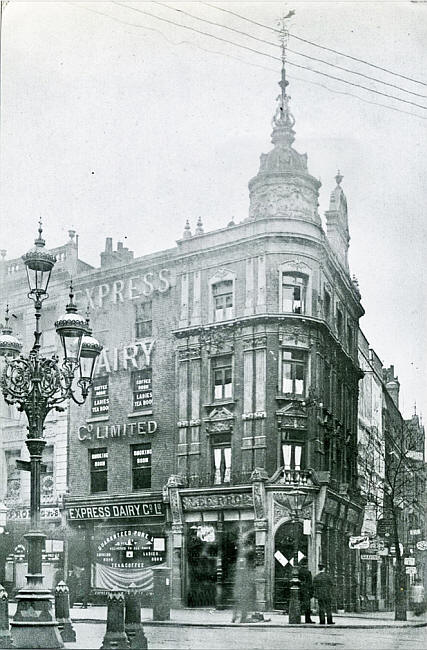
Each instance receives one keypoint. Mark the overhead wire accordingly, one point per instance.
(288, 49)
(245, 62)
(270, 56)
(323, 47)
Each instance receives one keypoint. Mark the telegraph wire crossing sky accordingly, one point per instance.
(124, 119)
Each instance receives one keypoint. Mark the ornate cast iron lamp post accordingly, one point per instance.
(37, 385)
(296, 501)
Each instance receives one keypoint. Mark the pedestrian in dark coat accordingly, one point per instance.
(305, 589)
(323, 587)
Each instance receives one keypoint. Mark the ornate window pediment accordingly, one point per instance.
(220, 420)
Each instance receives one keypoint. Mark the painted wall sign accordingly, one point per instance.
(370, 557)
(119, 291)
(116, 511)
(23, 514)
(142, 389)
(114, 431)
(215, 501)
(100, 402)
(133, 356)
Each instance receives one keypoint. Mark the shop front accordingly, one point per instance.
(114, 543)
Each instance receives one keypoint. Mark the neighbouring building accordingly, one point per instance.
(15, 484)
(390, 452)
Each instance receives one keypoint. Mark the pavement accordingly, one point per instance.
(207, 617)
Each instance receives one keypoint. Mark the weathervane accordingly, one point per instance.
(284, 33)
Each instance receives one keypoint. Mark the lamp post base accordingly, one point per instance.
(34, 625)
(294, 603)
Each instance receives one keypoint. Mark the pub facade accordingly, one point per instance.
(223, 416)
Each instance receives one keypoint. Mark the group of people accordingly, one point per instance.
(320, 587)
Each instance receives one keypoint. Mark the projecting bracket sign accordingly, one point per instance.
(358, 542)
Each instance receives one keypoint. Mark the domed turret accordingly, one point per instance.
(283, 187)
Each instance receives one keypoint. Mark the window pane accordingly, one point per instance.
(287, 298)
(286, 450)
(297, 450)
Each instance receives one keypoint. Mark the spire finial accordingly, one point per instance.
(39, 241)
(283, 120)
(6, 329)
(339, 177)
(71, 307)
(187, 230)
(199, 227)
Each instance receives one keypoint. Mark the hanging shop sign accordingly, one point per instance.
(411, 570)
(142, 389)
(415, 531)
(384, 527)
(114, 431)
(216, 501)
(409, 561)
(100, 404)
(23, 514)
(358, 542)
(370, 557)
(117, 511)
(369, 526)
(422, 545)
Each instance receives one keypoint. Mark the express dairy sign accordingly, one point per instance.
(117, 511)
(133, 288)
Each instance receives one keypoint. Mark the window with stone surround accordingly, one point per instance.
(294, 286)
(293, 371)
(222, 378)
(221, 458)
(293, 449)
(222, 295)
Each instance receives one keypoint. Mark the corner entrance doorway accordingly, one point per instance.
(284, 549)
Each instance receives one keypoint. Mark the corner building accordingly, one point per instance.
(231, 372)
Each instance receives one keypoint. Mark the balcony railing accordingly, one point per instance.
(284, 476)
(296, 476)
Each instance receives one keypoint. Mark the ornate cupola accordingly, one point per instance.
(283, 187)
(337, 223)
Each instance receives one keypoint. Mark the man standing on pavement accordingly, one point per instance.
(305, 589)
(323, 588)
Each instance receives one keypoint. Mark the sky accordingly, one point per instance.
(118, 124)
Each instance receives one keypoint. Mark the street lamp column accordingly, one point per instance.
(37, 385)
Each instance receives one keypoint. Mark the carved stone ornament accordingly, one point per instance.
(259, 474)
(258, 492)
(220, 420)
(292, 416)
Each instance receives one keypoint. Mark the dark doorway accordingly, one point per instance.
(284, 549)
